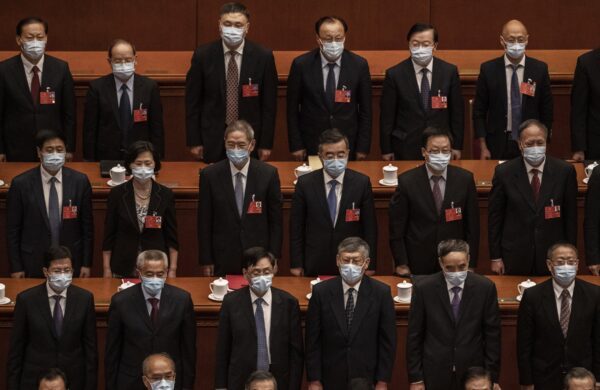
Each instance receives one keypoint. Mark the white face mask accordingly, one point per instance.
(142, 173)
(163, 384)
(123, 71)
(33, 49)
(232, 36)
(332, 50)
(421, 55)
(53, 161)
(534, 155)
(515, 50)
(438, 161)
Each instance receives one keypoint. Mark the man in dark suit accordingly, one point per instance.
(532, 205)
(591, 223)
(510, 90)
(150, 317)
(558, 327)
(585, 108)
(239, 205)
(350, 325)
(219, 91)
(49, 205)
(121, 108)
(419, 92)
(36, 92)
(259, 329)
(453, 324)
(329, 205)
(54, 326)
(329, 87)
(432, 202)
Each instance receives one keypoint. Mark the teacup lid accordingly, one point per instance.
(118, 168)
(528, 283)
(404, 284)
(592, 165)
(304, 167)
(221, 282)
(317, 280)
(390, 167)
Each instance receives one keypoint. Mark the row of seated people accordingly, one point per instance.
(350, 326)
(329, 87)
(532, 204)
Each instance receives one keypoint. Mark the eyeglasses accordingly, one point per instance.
(562, 262)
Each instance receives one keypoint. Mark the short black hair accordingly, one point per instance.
(56, 253)
(434, 132)
(44, 135)
(260, 376)
(31, 20)
(137, 148)
(234, 8)
(420, 27)
(53, 374)
(119, 41)
(578, 373)
(533, 122)
(332, 136)
(253, 255)
(330, 19)
(475, 373)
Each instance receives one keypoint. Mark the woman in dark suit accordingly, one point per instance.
(140, 215)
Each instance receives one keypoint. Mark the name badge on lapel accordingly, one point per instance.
(255, 206)
(153, 221)
(453, 213)
(528, 88)
(439, 102)
(552, 211)
(140, 115)
(250, 90)
(47, 96)
(343, 95)
(353, 214)
(70, 211)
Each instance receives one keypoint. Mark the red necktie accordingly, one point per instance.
(535, 184)
(231, 109)
(35, 86)
(154, 311)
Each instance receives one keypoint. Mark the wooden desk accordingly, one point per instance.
(182, 177)
(207, 321)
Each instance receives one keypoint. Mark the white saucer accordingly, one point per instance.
(308, 296)
(383, 183)
(586, 180)
(519, 297)
(5, 301)
(398, 300)
(214, 298)
(1, 183)
(113, 184)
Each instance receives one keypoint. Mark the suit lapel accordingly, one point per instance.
(501, 77)
(246, 72)
(319, 188)
(546, 189)
(220, 64)
(247, 308)
(411, 77)
(111, 93)
(347, 192)
(317, 72)
(137, 95)
(277, 310)
(48, 79)
(466, 298)
(363, 304)
(72, 306)
(44, 308)
(155, 199)
(549, 304)
(344, 81)
(445, 297)
(337, 305)
(227, 185)
(424, 188)
(38, 192)
(19, 72)
(436, 80)
(128, 200)
(164, 308)
(141, 306)
(67, 187)
(451, 189)
(251, 180)
(523, 185)
(578, 304)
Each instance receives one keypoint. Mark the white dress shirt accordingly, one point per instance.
(129, 83)
(266, 306)
(449, 287)
(530, 167)
(558, 289)
(509, 72)
(46, 187)
(238, 58)
(419, 75)
(325, 68)
(356, 287)
(28, 66)
(148, 296)
(52, 301)
(338, 190)
(441, 182)
(244, 171)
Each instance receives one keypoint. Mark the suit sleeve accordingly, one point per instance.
(296, 347)
(415, 337)
(365, 110)
(188, 344)
(457, 111)
(275, 215)
(313, 337)
(472, 223)
(398, 222)
(90, 123)
(2, 98)
(111, 220)
(223, 345)
(68, 113)
(492, 333)
(370, 223)
(157, 128)
(387, 115)
(14, 225)
(481, 105)
(193, 97)
(386, 340)
(90, 346)
(297, 226)
(579, 108)
(114, 344)
(87, 224)
(570, 219)
(294, 94)
(269, 104)
(18, 339)
(205, 218)
(496, 213)
(546, 102)
(170, 230)
(596, 336)
(525, 339)
(591, 223)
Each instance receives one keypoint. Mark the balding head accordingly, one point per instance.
(514, 40)
(513, 27)
(158, 367)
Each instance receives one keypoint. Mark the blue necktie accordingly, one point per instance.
(515, 103)
(425, 89)
(239, 193)
(332, 201)
(125, 114)
(262, 354)
(57, 315)
(455, 302)
(350, 307)
(54, 213)
(330, 86)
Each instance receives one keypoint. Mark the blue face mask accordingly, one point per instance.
(565, 274)
(456, 278)
(515, 50)
(163, 384)
(261, 284)
(238, 157)
(152, 286)
(534, 155)
(53, 161)
(351, 273)
(59, 282)
(335, 166)
(232, 36)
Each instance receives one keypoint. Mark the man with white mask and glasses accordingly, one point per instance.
(36, 92)
(433, 202)
(558, 326)
(230, 79)
(159, 372)
(532, 205)
(510, 90)
(329, 87)
(420, 92)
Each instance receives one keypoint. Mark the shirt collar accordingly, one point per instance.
(244, 169)
(355, 287)
(325, 61)
(52, 293)
(129, 83)
(239, 49)
(148, 296)
(268, 297)
(529, 167)
(418, 67)
(558, 289)
(507, 62)
(327, 178)
(29, 66)
(47, 176)
(430, 172)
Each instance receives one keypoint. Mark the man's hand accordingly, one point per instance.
(197, 152)
(526, 387)
(85, 272)
(315, 385)
(498, 266)
(264, 154)
(402, 270)
(497, 386)
(381, 385)
(207, 270)
(456, 154)
(485, 152)
(172, 273)
(299, 155)
(595, 269)
(387, 157)
(2, 157)
(17, 275)
(417, 386)
(361, 156)
(297, 271)
(107, 273)
(579, 156)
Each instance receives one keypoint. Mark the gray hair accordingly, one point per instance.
(550, 252)
(240, 125)
(453, 245)
(533, 123)
(161, 355)
(151, 255)
(354, 244)
(578, 373)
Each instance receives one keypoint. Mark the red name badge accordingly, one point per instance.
(552, 212)
(153, 222)
(454, 214)
(353, 214)
(528, 88)
(439, 102)
(255, 207)
(140, 115)
(343, 96)
(250, 90)
(47, 97)
(70, 212)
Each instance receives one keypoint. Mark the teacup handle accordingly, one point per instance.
(520, 288)
(211, 288)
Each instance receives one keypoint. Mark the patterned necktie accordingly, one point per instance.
(425, 89)
(154, 311)
(515, 103)
(231, 111)
(125, 115)
(330, 86)
(262, 354)
(455, 301)
(565, 311)
(332, 201)
(535, 184)
(54, 213)
(437, 193)
(57, 315)
(350, 307)
(35, 86)
(239, 193)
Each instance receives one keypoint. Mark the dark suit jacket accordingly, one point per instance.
(591, 222)
(308, 114)
(403, 117)
(28, 227)
(544, 355)
(518, 231)
(436, 343)
(35, 347)
(222, 234)
(585, 105)
(236, 345)
(122, 234)
(313, 238)
(415, 226)
(490, 106)
(205, 97)
(20, 120)
(131, 337)
(336, 354)
(102, 133)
